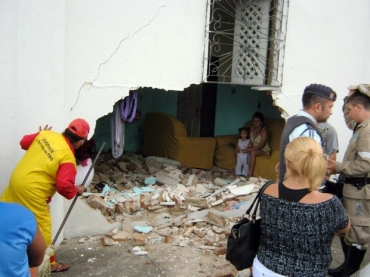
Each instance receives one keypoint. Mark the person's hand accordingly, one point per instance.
(80, 189)
(330, 167)
(46, 128)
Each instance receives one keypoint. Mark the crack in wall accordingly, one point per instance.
(114, 52)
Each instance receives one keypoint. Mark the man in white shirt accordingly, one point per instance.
(318, 101)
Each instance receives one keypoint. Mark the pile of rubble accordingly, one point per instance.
(157, 200)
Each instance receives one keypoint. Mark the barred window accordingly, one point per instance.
(245, 41)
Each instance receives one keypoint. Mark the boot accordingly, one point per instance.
(355, 258)
(337, 272)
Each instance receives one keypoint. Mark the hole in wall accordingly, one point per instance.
(206, 110)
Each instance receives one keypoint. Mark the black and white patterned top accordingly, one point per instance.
(296, 237)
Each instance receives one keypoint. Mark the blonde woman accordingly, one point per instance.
(298, 222)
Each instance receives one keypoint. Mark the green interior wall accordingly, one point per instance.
(102, 132)
(148, 100)
(236, 105)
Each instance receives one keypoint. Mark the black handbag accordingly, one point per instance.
(244, 238)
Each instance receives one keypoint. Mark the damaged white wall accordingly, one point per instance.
(49, 51)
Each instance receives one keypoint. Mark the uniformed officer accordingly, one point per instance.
(317, 101)
(355, 169)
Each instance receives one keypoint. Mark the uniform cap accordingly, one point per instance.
(321, 90)
(364, 88)
(79, 127)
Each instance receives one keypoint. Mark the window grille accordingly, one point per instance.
(245, 41)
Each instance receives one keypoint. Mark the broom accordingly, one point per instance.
(45, 269)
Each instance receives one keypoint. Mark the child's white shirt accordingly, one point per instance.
(242, 145)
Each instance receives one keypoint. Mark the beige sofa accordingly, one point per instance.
(165, 136)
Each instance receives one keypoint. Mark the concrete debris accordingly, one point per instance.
(197, 202)
(143, 229)
(127, 226)
(140, 253)
(137, 249)
(169, 176)
(159, 162)
(215, 219)
(111, 233)
(150, 181)
(220, 182)
(241, 190)
(192, 181)
(158, 201)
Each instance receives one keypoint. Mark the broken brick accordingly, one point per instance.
(196, 202)
(96, 202)
(121, 236)
(107, 241)
(169, 239)
(139, 238)
(219, 251)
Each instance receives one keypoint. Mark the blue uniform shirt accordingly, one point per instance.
(304, 130)
(17, 231)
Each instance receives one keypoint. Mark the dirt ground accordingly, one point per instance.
(163, 260)
(91, 258)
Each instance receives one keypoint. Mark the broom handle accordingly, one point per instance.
(75, 199)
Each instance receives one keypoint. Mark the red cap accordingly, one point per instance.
(79, 127)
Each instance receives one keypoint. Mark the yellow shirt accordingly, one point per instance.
(257, 141)
(33, 179)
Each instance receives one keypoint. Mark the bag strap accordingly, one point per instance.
(256, 200)
(259, 199)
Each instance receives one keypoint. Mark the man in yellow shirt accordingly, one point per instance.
(48, 166)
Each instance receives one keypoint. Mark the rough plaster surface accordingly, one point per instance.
(77, 58)
(68, 59)
(8, 80)
(128, 44)
(85, 221)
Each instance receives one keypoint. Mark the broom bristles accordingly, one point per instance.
(45, 268)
